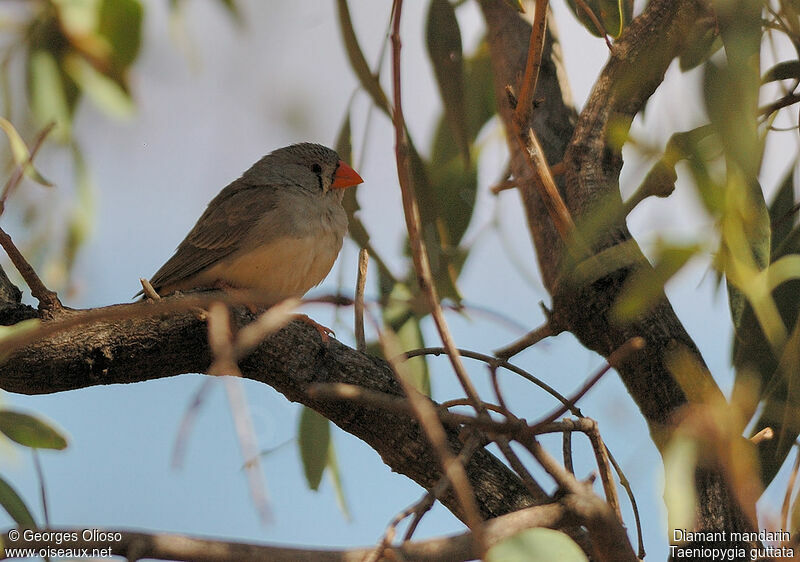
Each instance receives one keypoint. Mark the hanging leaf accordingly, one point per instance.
(15, 506)
(105, 92)
(781, 214)
(703, 41)
(21, 154)
(613, 15)
(30, 431)
(336, 480)
(355, 55)
(81, 219)
(434, 231)
(47, 91)
(536, 545)
(399, 315)
(120, 22)
(313, 438)
(786, 70)
(444, 49)
(517, 5)
(645, 287)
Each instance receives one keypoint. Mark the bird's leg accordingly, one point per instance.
(324, 331)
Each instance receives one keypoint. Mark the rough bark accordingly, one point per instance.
(635, 68)
(142, 342)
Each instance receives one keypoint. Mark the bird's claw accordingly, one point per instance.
(324, 332)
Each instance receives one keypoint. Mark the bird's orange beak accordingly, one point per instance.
(345, 176)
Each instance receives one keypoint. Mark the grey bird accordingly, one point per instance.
(278, 229)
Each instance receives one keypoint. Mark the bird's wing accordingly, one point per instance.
(219, 232)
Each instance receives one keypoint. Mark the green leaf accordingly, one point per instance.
(355, 55)
(47, 90)
(15, 506)
(479, 89)
(780, 213)
(645, 287)
(703, 41)
(81, 219)
(786, 70)
(613, 15)
(120, 22)
(517, 5)
(732, 89)
(680, 495)
(536, 545)
(313, 436)
(30, 431)
(444, 49)
(434, 230)
(336, 480)
(21, 154)
(105, 92)
(398, 314)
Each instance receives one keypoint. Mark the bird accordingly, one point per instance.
(277, 230)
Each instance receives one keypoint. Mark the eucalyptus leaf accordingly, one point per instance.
(444, 49)
(120, 22)
(47, 90)
(781, 215)
(355, 55)
(613, 15)
(30, 431)
(21, 154)
(105, 92)
(536, 545)
(336, 480)
(15, 505)
(313, 438)
(785, 70)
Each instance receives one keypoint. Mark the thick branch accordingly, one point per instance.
(590, 187)
(154, 345)
(167, 546)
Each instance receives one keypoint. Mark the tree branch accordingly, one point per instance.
(157, 342)
(590, 187)
(168, 546)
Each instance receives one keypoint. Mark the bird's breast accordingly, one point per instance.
(287, 266)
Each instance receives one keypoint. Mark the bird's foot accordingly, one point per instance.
(324, 331)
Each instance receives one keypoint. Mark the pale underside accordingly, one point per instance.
(287, 267)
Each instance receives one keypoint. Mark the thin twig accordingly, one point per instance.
(48, 300)
(19, 171)
(626, 485)
(428, 417)
(566, 450)
(531, 484)
(764, 435)
(543, 179)
(419, 508)
(361, 283)
(604, 467)
(488, 359)
(533, 64)
(187, 421)
(42, 489)
(633, 344)
(787, 498)
(246, 434)
(531, 338)
(411, 212)
(223, 348)
(148, 290)
(596, 21)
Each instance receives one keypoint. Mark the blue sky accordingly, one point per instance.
(211, 99)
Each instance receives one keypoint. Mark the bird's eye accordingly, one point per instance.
(316, 168)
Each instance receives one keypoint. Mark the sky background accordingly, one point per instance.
(212, 98)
